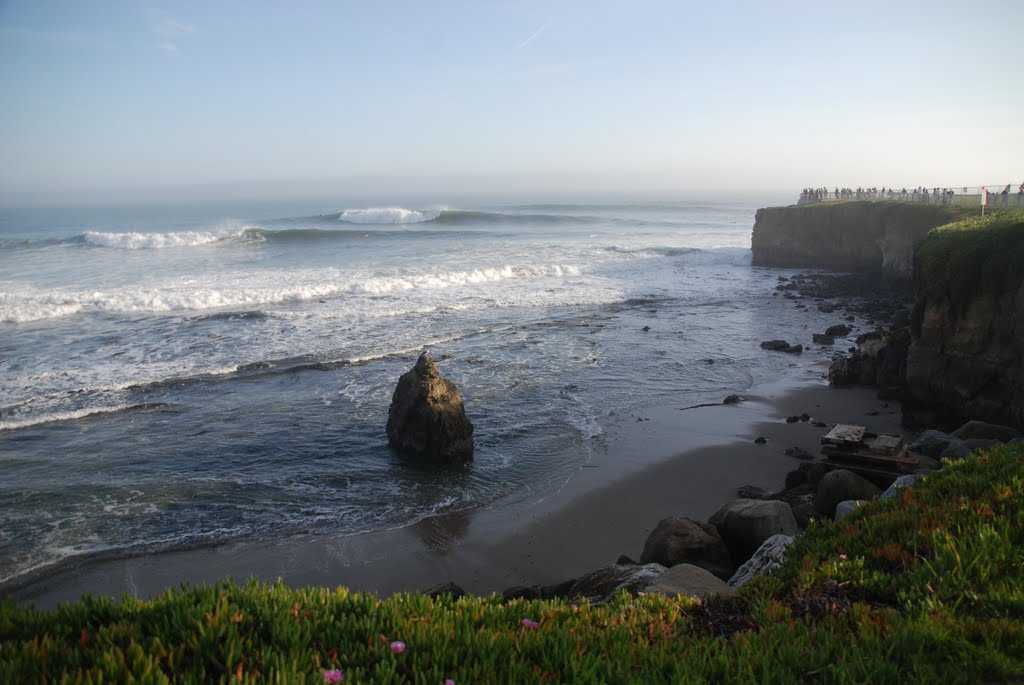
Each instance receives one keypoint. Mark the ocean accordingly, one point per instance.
(194, 375)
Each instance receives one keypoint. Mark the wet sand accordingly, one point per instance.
(660, 461)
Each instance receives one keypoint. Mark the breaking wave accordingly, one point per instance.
(157, 241)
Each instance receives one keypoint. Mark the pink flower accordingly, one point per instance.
(449, 682)
(333, 676)
(530, 623)
(397, 646)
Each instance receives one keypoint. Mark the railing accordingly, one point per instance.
(966, 196)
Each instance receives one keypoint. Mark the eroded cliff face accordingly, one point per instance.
(971, 365)
(845, 236)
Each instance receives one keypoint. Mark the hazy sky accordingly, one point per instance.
(477, 95)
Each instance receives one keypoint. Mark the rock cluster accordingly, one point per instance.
(427, 419)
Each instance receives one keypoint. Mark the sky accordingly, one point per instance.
(222, 96)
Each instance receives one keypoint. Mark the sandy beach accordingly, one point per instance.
(660, 461)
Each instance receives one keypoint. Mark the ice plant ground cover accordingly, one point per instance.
(921, 588)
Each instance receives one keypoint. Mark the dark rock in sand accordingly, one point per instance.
(678, 540)
(839, 330)
(774, 345)
(795, 478)
(988, 431)
(760, 440)
(732, 399)
(745, 523)
(798, 453)
(751, 492)
(792, 419)
(819, 424)
(837, 486)
(427, 419)
(880, 361)
(521, 592)
(822, 339)
(450, 589)
(624, 559)
(645, 329)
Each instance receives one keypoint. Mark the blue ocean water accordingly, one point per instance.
(193, 375)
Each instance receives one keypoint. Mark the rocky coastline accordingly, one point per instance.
(749, 535)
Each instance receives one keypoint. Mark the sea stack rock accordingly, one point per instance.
(427, 419)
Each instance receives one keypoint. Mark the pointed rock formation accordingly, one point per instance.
(427, 419)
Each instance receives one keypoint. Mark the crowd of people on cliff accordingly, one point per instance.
(920, 194)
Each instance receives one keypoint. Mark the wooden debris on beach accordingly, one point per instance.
(853, 448)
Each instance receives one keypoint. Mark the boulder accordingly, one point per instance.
(956, 449)
(839, 330)
(931, 443)
(427, 419)
(975, 430)
(805, 515)
(847, 507)
(678, 540)
(687, 579)
(781, 346)
(767, 557)
(745, 523)
(823, 339)
(603, 584)
(839, 485)
(899, 484)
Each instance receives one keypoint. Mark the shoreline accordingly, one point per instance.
(658, 461)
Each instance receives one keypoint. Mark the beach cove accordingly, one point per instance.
(630, 456)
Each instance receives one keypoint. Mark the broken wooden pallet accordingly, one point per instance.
(845, 434)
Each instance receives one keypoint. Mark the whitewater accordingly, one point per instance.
(199, 375)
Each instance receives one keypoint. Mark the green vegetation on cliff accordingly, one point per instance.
(959, 261)
(924, 587)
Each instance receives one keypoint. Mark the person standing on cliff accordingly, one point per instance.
(1005, 196)
(1020, 196)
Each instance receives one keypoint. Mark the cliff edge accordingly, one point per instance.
(845, 236)
(967, 348)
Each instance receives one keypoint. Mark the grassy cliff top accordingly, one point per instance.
(906, 213)
(923, 587)
(961, 260)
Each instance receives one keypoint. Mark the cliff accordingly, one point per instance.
(967, 349)
(845, 236)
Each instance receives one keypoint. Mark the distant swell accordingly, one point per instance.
(452, 217)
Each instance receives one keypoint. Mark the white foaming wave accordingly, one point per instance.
(384, 285)
(157, 241)
(62, 416)
(386, 215)
(34, 305)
